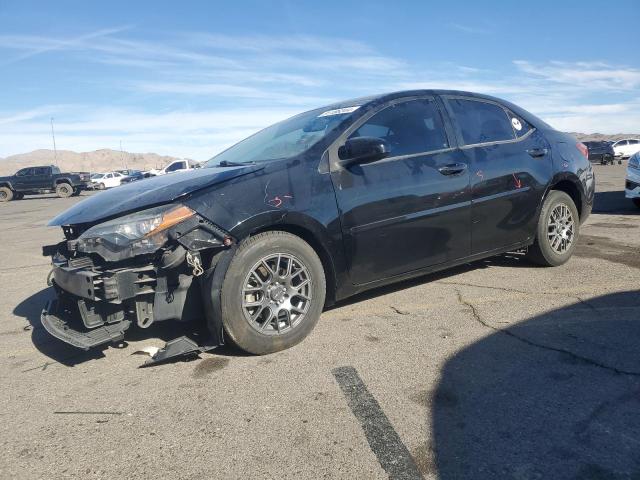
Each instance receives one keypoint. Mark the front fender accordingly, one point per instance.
(328, 246)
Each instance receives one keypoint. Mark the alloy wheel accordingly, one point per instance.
(560, 229)
(276, 294)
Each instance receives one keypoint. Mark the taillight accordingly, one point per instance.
(583, 149)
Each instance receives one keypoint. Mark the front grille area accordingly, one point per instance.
(81, 276)
(80, 262)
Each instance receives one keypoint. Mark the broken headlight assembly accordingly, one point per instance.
(139, 233)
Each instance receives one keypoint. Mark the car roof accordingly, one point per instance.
(385, 97)
(373, 100)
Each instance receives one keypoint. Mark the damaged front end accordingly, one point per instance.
(130, 271)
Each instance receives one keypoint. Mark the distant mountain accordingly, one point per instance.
(106, 160)
(97, 161)
(586, 137)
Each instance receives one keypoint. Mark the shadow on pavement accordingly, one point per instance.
(556, 396)
(614, 203)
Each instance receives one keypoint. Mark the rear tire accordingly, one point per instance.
(273, 292)
(557, 232)
(6, 194)
(64, 190)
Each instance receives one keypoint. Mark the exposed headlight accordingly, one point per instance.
(135, 234)
(634, 161)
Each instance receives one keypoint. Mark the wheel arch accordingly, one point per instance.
(570, 185)
(7, 185)
(302, 226)
(58, 181)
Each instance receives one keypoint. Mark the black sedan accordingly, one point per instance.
(132, 176)
(314, 209)
(601, 151)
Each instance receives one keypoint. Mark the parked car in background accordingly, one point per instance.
(632, 182)
(314, 209)
(601, 151)
(43, 179)
(101, 181)
(132, 176)
(175, 166)
(627, 147)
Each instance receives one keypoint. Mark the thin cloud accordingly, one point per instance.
(474, 30)
(193, 94)
(39, 45)
(589, 75)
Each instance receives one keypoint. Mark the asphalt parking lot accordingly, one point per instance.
(497, 369)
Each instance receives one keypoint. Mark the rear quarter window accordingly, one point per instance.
(481, 122)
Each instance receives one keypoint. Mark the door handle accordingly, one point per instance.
(537, 152)
(453, 168)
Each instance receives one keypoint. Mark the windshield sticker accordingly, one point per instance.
(339, 111)
(516, 124)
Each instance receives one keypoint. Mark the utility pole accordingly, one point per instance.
(122, 159)
(55, 150)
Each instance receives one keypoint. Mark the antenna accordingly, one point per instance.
(55, 150)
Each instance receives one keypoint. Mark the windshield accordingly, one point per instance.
(285, 139)
(95, 176)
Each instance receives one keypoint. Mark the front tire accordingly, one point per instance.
(557, 232)
(64, 190)
(273, 292)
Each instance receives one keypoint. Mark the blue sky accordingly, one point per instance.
(190, 78)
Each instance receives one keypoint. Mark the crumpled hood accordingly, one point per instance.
(146, 193)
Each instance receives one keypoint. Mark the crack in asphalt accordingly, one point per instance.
(524, 292)
(398, 311)
(506, 331)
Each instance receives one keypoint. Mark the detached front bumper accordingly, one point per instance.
(52, 321)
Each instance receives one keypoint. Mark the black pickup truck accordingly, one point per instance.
(36, 180)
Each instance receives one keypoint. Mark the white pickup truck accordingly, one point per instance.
(175, 166)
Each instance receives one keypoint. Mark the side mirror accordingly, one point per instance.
(362, 150)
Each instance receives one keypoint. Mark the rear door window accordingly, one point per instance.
(411, 127)
(520, 126)
(482, 122)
